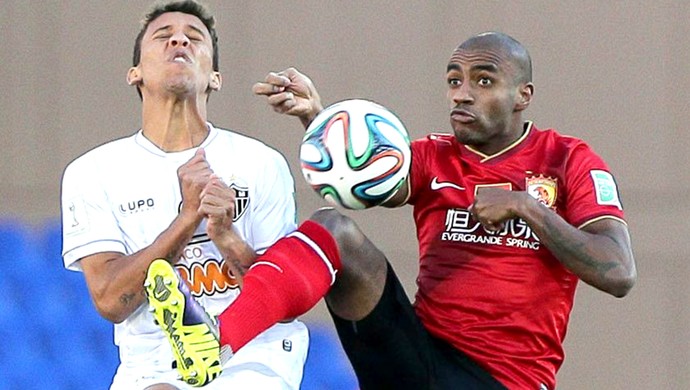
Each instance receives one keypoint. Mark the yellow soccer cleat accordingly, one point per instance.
(190, 330)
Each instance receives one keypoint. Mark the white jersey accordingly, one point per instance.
(121, 195)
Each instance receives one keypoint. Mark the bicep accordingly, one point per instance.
(616, 232)
(96, 270)
(612, 245)
(612, 228)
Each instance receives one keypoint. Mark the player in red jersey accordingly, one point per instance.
(508, 218)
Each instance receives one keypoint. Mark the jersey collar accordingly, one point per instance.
(149, 146)
(486, 157)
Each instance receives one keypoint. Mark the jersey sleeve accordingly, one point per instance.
(592, 191)
(88, 225)
(274, 212)
(418, 169)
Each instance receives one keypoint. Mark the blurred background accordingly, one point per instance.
(614, 73)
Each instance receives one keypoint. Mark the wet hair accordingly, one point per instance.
(190, 7)
(516, 52)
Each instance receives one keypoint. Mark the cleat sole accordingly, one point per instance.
(195, 347)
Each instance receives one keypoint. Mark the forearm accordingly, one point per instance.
(237, 254)
(116, 281)
(602, 260)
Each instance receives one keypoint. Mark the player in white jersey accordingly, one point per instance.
(205, 199)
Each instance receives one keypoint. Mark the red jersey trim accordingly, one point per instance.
(599, 218)
(486, 157)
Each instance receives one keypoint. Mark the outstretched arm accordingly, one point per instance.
(600, 253)
(293, 93)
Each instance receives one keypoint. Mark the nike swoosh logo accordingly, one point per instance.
(436, 185)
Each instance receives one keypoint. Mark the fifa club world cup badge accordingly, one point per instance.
(544, 189)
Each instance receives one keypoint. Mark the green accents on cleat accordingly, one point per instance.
(189, 329)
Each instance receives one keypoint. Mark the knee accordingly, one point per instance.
(341, 227)
(360, 281)
(353, 244)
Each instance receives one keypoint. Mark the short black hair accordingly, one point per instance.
(190, 7)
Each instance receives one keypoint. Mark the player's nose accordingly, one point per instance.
(462, 94)
(179, 39)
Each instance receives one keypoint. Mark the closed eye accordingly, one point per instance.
(195, 37)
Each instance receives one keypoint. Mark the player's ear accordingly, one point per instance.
(134, 76)
(524, 96)
(215, 82)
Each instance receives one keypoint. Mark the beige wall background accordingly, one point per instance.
(612, 72)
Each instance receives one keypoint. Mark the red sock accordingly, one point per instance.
(285, 282)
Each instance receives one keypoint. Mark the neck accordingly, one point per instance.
(517, 130)
(174, 124)
(514, 131)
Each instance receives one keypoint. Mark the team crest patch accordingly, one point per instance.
(605, 188)
(241, 200)
(543, 189)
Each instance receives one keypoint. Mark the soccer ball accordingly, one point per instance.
(355, 154)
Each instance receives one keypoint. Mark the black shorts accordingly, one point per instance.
(391, 349)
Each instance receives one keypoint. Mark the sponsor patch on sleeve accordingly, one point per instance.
(606, 189)
(75, 219)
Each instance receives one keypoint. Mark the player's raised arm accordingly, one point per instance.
(218, 206)
(115, 280)
(291, 92)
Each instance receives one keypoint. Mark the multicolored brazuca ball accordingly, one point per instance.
(355, 154)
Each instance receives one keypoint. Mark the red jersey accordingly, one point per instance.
(501, 297)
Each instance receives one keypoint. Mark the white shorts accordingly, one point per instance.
(273, 360)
